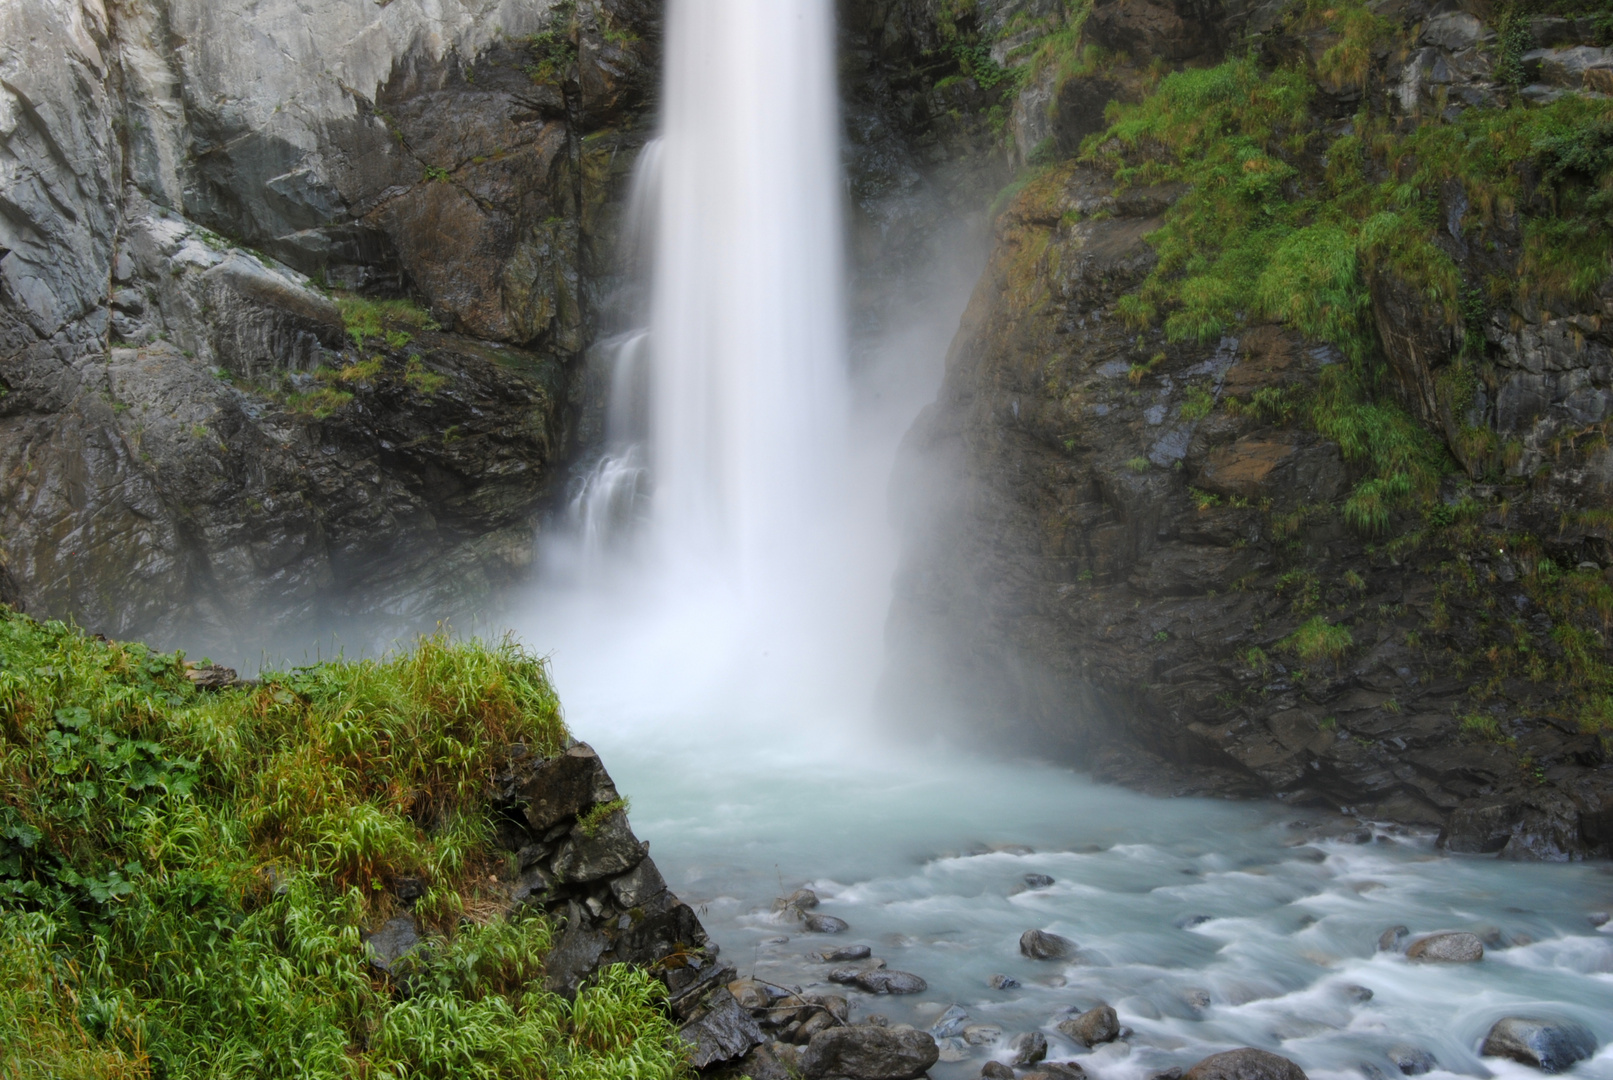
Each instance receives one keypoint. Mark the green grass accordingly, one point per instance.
(185, 876)
(365, 319)
(319, 403)
(1317, 639)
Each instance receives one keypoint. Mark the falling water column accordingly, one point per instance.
(747, 327)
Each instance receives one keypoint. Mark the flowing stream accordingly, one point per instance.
(722, 652)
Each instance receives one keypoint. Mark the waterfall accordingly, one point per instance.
(748, 377)
(723, 559)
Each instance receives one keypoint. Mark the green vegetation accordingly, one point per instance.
(388, 320)
(554, 51)
(185, 875)
(422, 380)
(1260, 235)
(590, 822)
(1317, 639)
(317, 403)
(1197, 403)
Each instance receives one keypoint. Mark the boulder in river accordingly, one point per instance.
(1095, 1026)
(1245, 1063)
(720, 1031)
(1058, 1070)
(765, 1062)
(842, 953)
(880, 981)
(1042, 945)
(1037, 881)
(1393, 939)
(866, 1052)
(750, 994)
(1028, 1047)
(1412, 1060)
(952, 1022)
(1451, 947)
(825, 924)
(1549, 1045)
(1003, 982)
(982, 1034)
(797, 903)
(996, 1070)
(834, 1004)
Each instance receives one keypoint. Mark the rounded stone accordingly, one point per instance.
(1095, 1026)
(1453, 947)
(1042, 945)
(1245, 1063)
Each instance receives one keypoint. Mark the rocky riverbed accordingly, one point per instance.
(1088, 928)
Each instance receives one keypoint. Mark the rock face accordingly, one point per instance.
(191, 436)
(581, 863)
(1549, 1045)
(1109, 563)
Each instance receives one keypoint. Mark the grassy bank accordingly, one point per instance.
(185, 876)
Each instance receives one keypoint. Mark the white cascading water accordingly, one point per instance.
(749, 376)
(725, 669)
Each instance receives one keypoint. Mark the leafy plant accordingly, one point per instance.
(184, 875)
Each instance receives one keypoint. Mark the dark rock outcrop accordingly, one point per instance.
(581, 863)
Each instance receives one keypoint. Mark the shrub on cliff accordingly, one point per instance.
(185, 875)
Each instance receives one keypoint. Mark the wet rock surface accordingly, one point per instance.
(869, 1052)
(1448, 948)
(1552, 1046)
(1245, 1064)
(1095, 1026)
(1027, 1048)
(397, 938)
(1044, 945)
